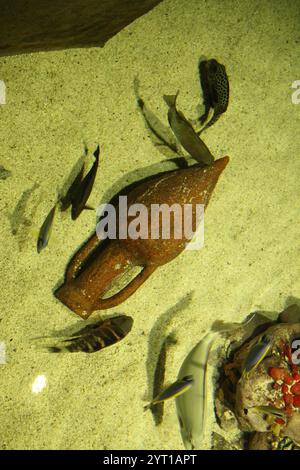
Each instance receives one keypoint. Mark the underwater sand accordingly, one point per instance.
(56, 102)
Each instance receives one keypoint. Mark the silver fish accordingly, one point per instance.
(192, 405)
(174, 390)
(256, 354)
(186, 134)
(45, 230)
(267, 410)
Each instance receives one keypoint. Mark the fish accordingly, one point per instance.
(84, 189)
(45, 230)
(215, 86)
(192, 405)
(256, 354)
(267, 410)
(286, 443)
(96, 336)
(174, 390)
(185, 133)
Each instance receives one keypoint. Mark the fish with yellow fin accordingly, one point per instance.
(256, 354)
(174, 390)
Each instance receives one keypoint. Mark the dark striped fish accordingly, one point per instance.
(215, 86)
(84, 189)
(96, 336)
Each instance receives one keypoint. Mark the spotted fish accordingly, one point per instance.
(96, 336)
(215, 86)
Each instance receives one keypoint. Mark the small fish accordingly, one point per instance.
(256, 354)
(174, 390)
(215, 86)
(96, 336)
(286, 443)
(45, 230)
(267, 410)
(83, 192)
(186, 134)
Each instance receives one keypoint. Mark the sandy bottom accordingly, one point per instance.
(56, 103)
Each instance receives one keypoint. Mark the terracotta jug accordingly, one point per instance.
(97, 265)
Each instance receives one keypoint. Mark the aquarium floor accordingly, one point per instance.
(57, 102)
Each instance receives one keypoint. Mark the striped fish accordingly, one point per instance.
(256, 354)
(174, 390)
(96, 336)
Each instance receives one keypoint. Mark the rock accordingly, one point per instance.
(292, 429)
(261, 441)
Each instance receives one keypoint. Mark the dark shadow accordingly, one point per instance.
(161, 136)
(158, 344)
(157, 410)
(22, 217)
(72, 181)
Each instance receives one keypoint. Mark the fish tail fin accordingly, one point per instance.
(171, 99)
(97, 152)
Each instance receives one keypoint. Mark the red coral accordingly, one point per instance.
(295, 389)
(296, 401)
(288, 398)
(288, 383)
